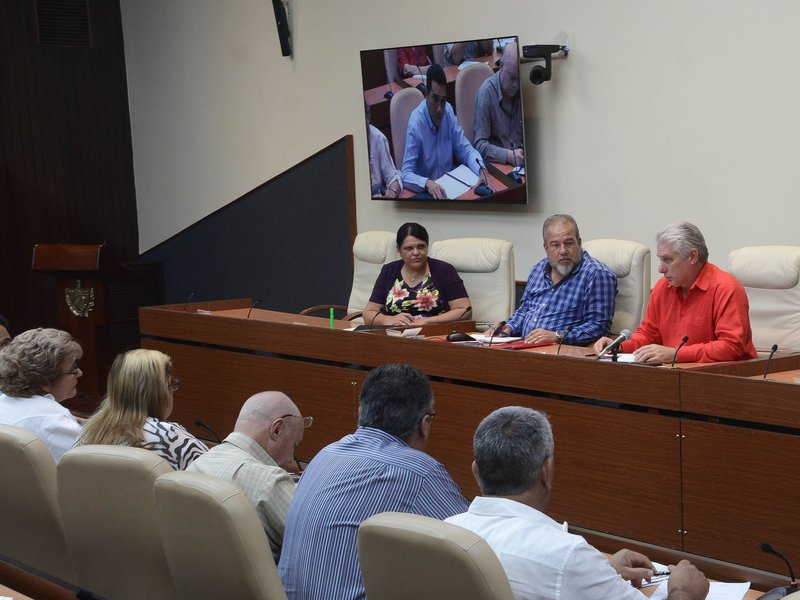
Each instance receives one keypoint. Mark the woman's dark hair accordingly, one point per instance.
(411, 229)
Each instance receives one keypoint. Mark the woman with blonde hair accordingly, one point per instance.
(38, 371)
(137, 404)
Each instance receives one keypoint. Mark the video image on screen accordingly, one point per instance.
(445, 122)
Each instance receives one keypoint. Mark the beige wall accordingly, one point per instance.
(664, 111)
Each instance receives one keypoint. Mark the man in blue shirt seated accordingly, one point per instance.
(569, 296)
(380, 467)
(434, 138)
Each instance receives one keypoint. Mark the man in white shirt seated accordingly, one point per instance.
(513, 449)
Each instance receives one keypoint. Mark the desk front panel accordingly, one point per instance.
(741, 488)
(616, 470)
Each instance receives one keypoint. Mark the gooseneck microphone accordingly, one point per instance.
(765, 547)
(500, 325)
(779, 592)
(675, 356)
(561, 340)
(625, 334)
(253, 304)
(188, 300)
(458, 336)
(772, 352)
(202, 425)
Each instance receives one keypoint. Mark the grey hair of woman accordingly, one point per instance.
(33, 359)
(510, 447)
(683, 237)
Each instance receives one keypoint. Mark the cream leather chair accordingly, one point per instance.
(630, 262)
(400, 108)
(771, 277)
(371, 250)
(487, 267)
(30, 520)
(214, 542)
(109, 514)
(408, 556)
(468, 81)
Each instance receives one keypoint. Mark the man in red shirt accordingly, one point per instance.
(695, 299)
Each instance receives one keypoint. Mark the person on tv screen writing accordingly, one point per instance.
(416, 288)
(434, 139)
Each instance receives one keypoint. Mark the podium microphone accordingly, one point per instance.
(675, 356)
(772, 352)
(625, 334)
(458, 336)
(779, 592)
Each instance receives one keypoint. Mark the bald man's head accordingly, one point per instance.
(263, 408)
(509, 70)
(275, 423)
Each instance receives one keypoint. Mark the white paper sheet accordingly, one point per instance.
(716, 591)
(495, 340)
(457, 181)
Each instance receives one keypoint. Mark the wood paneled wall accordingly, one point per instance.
(66, 166)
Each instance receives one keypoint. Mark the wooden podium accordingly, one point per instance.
(97, 301)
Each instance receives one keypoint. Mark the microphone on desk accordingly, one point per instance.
(202, 425)
(252, 305)
(779, 592)
(564, 335)
(500, 325)
(625, 334)
(458, 336)
(188, 300)
(772, 352)
(675, 356)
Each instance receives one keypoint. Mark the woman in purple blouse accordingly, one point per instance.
(416, 289)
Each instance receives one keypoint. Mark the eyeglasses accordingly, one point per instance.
(307, 421)
(74, 370)
(174, 384)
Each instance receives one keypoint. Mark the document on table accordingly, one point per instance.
(716, 591)
(623, 358)
(496, 339)
(457, 181)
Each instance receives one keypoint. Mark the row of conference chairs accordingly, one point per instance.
(120, 523)
(769, 274)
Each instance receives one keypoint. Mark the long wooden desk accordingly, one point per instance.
(698, 460)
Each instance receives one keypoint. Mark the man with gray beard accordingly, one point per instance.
(569, 296)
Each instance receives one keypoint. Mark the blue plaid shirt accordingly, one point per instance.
(583, 302)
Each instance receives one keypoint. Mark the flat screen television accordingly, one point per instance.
(444, 122)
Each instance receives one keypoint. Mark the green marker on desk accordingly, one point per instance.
(330, 313)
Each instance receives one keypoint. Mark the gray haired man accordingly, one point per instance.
(696, 313)
(513, 449)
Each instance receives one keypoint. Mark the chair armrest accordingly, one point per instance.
(320, 307)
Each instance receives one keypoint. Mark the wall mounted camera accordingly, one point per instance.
(540, 74)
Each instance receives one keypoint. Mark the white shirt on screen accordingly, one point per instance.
(541, 560)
